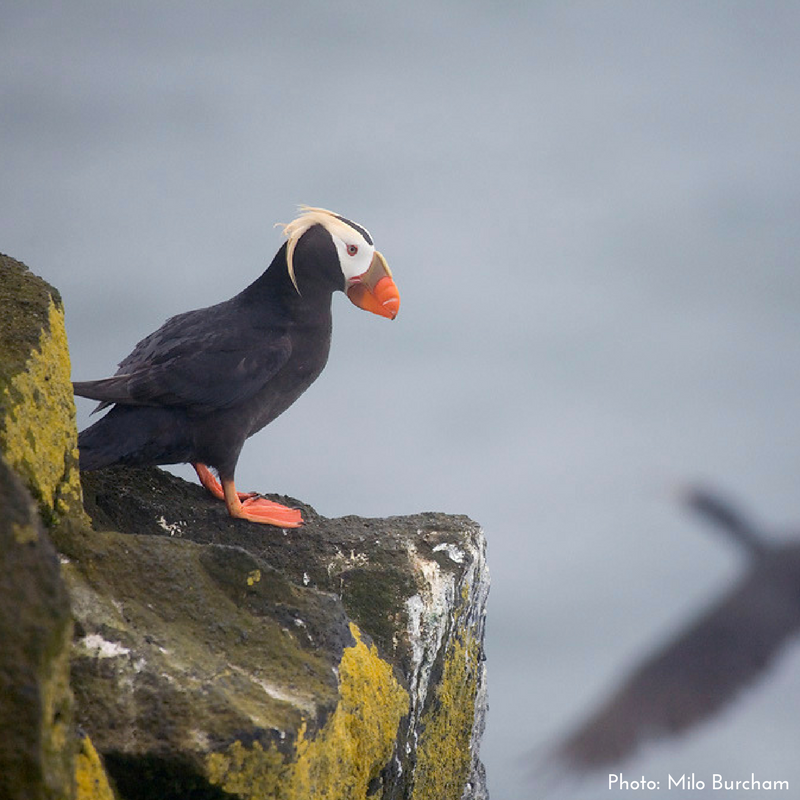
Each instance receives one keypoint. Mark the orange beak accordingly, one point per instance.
(375, 290)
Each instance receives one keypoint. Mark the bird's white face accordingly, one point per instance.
(355, 254)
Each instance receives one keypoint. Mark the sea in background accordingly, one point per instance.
(592, 211)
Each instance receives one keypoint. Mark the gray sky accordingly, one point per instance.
(591, 211)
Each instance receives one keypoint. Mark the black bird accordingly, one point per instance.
(206, 380)
(705, 666)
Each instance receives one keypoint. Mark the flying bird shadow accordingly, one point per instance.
(703, 669)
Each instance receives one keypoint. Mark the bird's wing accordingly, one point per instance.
(699, 672)
(178, 366)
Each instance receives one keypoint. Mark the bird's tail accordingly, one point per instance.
(134, 436)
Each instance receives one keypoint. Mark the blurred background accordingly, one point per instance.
(592, 211)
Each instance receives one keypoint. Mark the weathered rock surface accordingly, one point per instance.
(217, 658)
(37, 411)
(348, 650)
(35, 635)
(42, 755)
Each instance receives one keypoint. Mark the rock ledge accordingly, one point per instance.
(216, 658)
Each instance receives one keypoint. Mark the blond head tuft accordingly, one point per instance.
(309, 217)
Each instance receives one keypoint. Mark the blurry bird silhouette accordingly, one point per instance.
(706, 665)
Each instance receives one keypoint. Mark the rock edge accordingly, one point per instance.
(214, 659)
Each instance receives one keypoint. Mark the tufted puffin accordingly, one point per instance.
(206, 380)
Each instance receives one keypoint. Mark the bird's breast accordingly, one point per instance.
(308, 359)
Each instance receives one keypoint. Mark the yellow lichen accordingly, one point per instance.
(253, 577)
(38, 438)
(56, 707)
(444, 754)
(344, 757)
(91, 781)
(24, 534)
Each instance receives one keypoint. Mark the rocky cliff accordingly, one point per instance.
(170, 651)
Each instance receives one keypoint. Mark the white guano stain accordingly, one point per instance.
(95, 645)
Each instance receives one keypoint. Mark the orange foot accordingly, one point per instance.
(259, 509)
(248, 505)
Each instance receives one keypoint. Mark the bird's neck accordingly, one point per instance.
(275, 288)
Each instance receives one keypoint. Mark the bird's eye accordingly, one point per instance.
(352, 249)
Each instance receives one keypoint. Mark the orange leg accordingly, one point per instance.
(248, 505)
(212, 484)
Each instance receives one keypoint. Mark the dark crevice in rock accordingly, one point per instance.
(148, 777)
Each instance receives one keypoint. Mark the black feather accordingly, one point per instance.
(708, 664)
(196, 388)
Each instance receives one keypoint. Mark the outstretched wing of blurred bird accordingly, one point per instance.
(704, 667)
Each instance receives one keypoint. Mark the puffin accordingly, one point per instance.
(195, 389)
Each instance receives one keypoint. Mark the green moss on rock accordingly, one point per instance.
(375, 595)
(444, 758)
(36, 706)
(37, 411)
(344, 759)
(214, 658)
(415, 585)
